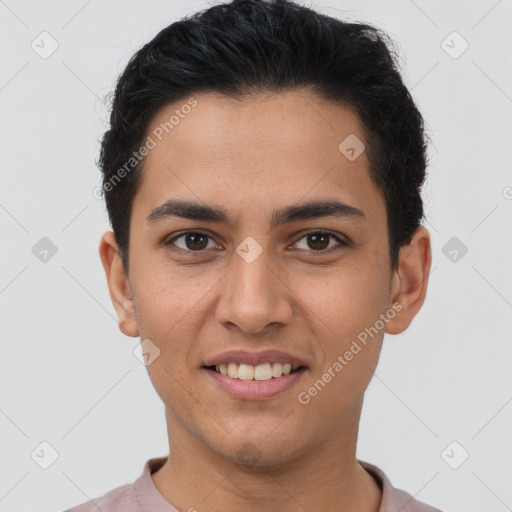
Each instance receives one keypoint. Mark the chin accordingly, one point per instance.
(262, 450)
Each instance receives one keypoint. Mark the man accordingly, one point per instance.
(262, 174)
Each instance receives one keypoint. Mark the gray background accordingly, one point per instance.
(69, 377)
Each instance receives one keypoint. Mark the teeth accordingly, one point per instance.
(246, 372)
(277, 369)
(265, 371)
(233, 370)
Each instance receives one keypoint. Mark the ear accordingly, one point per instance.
(118, 284)
(410, 280)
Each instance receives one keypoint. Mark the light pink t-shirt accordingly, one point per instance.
(143, 496)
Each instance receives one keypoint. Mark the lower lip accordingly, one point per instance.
(255, 389)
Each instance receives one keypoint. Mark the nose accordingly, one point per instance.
(254, 297)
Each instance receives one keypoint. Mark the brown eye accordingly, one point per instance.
(196, 241)
(319, 241)
(193, 241)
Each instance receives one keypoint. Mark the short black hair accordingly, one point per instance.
(248, 47)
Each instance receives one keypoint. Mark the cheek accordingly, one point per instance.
(349, 355)
(172, 307)
(168, 301)
(342, 311)
(346, 303)
(166, 315)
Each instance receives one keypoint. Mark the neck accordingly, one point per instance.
(324, 477)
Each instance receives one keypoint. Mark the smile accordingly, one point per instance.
(265, 371)
(254, 382)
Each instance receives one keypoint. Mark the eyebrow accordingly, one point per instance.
(310, 210)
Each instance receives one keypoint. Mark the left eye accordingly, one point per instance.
(318, 239)
(196, 241)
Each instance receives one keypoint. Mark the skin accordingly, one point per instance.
(252, 157)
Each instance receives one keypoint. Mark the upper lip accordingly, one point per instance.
(254, 358)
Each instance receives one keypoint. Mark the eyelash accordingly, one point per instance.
(341, 243)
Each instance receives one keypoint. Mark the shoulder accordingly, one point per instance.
(133, 497)
(121, 498)
(394, 499)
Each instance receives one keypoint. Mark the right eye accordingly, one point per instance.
(193, 241)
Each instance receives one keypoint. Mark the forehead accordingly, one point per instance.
(260, 152)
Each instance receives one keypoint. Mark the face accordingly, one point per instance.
(249, 269)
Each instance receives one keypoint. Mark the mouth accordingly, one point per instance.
(246, 375)
(260, 372)
(247, 382)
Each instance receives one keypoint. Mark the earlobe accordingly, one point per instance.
(118, 284)
(410, 280)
